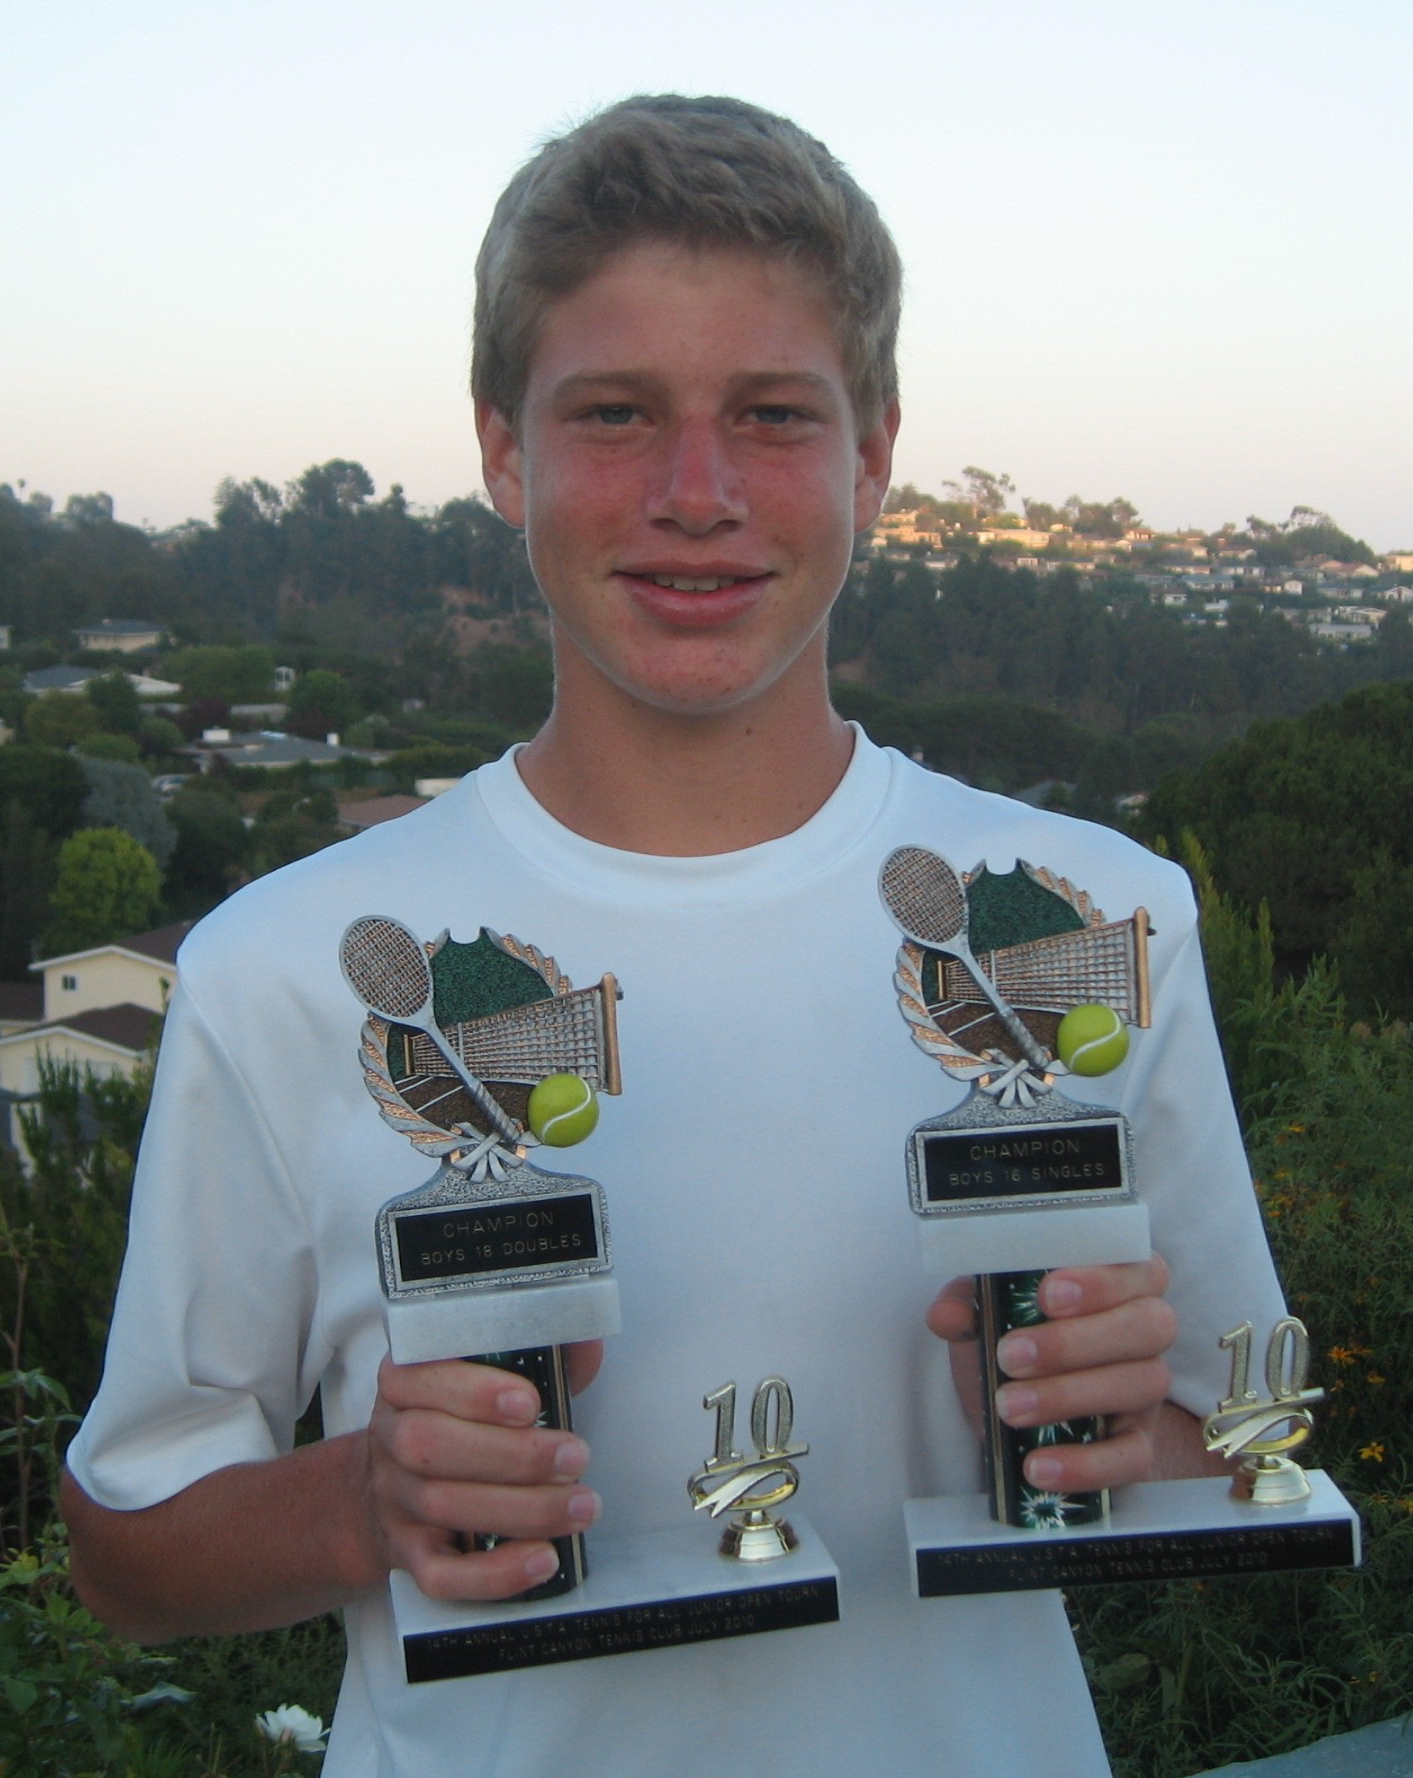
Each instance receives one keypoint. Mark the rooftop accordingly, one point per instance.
(161, 945)
(127, 1027)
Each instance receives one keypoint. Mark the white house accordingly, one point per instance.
(99, 1009)
(127, 634)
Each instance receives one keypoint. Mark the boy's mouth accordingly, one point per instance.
(680, 583)
(696, 601)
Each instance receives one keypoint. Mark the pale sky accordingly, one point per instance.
(1163, 251)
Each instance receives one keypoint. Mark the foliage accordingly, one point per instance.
(434, 760)
(114, 697)
(121, 748)
(59, 718)
(73, 1693)
(107, 884)
(513, 686)
(1311, 816)
(321, 703)
(240, 674)
(49, 784)
(71, 1208)
(28, 859)
(121, 795)
(212, 849)
(292, 824)
(1195, 1674)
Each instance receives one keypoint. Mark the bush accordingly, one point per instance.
(1197, 1674)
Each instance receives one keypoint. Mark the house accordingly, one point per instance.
(263, 747)
(128, 635)
(1018, 535)
(74, 679)
(99, 1009)
(45, 679)
(4, 638)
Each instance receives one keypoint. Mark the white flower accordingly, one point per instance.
(293, 1723)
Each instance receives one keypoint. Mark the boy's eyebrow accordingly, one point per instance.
(650, 383)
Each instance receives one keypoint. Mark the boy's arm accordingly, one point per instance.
(1100, 1352)
(451, 1450)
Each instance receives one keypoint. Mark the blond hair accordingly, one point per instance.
(708, 172)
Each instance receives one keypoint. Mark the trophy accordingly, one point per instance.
(1018, 985)
(478, 1053)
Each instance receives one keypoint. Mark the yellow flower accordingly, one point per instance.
(1376, 1379)
(1296, 1129)
(1341, 1354)
(1373, 1453)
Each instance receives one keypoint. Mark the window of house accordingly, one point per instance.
(68, 981)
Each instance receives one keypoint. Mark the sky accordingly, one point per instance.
(1158, 251)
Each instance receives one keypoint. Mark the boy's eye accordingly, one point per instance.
(775, 415)
(617, 413)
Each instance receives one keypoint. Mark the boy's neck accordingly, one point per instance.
(642, 779)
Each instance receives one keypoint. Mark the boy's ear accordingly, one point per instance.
(875, 466)
(502, 464)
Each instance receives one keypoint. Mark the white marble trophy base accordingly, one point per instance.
(1032, 1238)
(659, 1589)
(1155, 1531)
(501, 1318)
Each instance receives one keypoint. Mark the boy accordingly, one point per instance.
(685, 395)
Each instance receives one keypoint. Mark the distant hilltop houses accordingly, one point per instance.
(259, 743)
(1337, 599)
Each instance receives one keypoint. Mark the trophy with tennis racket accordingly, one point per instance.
(479, 1053)
(1020, 988)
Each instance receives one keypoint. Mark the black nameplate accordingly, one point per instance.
(499, 1235)
(1045, 1561)
(620, 1630)
(1021, 1161)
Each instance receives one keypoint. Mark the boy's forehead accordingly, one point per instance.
(658, 273)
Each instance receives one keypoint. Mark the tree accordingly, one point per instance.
(331, 490)
(107, 886)
(240, 674)
(50, 785)
(27, 860)
(321, 703)
(114, 697)
(121, 795)
(59, 718)
(513, 685)
(211, 852)
(984, 491)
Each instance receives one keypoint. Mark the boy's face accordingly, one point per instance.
(690, 476)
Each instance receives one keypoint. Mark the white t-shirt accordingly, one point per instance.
(754, 1176)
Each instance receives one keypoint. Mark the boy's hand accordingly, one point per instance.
(1099, 1352)
(453, 1450)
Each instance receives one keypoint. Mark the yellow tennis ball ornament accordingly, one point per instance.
(1091, 1039)
(563, 1110)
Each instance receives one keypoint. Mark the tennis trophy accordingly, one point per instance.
(480, 1053)
(1018, 986)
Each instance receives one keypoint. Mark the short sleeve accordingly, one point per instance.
(210, 1357)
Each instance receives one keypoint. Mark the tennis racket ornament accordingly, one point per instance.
(1022, 991)
(478, 1053)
